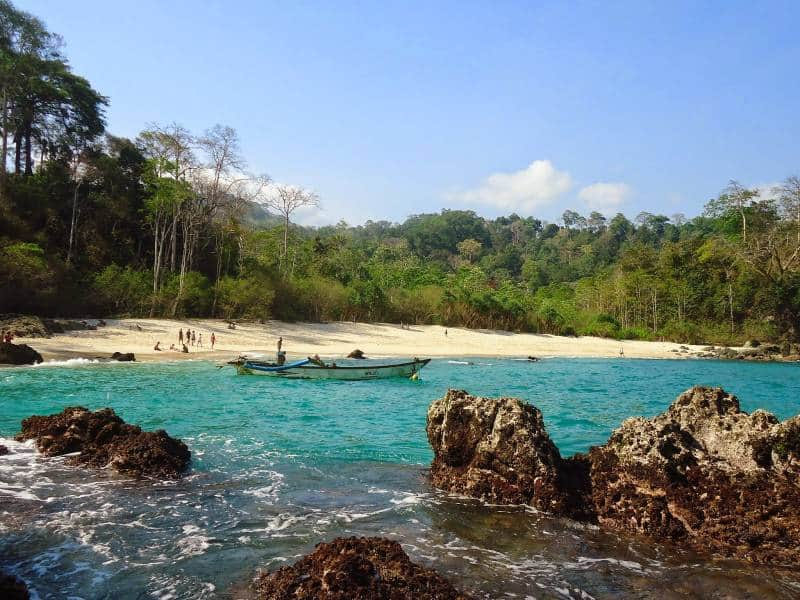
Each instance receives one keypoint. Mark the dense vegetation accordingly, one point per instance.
(172, 224)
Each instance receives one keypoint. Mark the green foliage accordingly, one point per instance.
(246, 297)
(124, 290)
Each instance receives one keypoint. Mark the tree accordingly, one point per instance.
(789, 196)
(736, 198)
(469, 249)
(285, 200)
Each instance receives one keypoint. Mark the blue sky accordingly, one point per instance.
(387, 109)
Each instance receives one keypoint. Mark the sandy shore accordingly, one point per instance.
(328, 340)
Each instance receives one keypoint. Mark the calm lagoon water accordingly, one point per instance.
(280, 465)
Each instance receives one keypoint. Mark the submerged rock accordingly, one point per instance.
(702, 473)
(12, 588)
(18, 354)
(123, 356)
(103, 439)
(355, 569)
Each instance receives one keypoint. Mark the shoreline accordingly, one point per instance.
(334, 340)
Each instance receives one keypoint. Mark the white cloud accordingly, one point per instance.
(526, 190)
(604, 197)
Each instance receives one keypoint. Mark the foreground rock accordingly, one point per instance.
(355, 569)
(703, 473)
(123, 356)
(18, 354)
(4, 450)
(12, 588)
(105, 440)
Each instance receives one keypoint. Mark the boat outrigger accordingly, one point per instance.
(308, 368)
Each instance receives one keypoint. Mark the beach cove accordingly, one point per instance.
(281, 465)
(331, 340)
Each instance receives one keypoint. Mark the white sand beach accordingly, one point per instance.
(329, 340)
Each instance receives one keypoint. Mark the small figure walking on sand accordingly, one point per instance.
(445, 333)
(280, 343)
(194, 337)
(213, 340)
(200, 341)
(621, 352)
(180, 336)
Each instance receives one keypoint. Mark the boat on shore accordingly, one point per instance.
(310, 369)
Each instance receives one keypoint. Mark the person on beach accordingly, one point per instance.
(157, 347)
(445, 333)
(185, 349)
(194, 337)
(621, 352)
(213, 340)
(180, 336)
(280, 343)
(200, 341)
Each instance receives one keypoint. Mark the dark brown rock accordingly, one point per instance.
(12, 588)
(703, 473)
(18, 354)
(4, 450)
(123, 356)
(355, 569)
(356, 354)
(103, 439)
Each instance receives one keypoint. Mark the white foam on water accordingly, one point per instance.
(74, 362)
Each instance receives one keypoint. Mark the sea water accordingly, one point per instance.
(279, 465)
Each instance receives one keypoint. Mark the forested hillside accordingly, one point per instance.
(173, 224)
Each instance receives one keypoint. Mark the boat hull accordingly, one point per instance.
(342, 373)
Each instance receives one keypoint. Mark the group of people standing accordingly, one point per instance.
(191, 338)
(6, 337)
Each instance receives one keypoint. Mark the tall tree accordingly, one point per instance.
(285, 200)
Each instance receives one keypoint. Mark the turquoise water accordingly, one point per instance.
(279, 465)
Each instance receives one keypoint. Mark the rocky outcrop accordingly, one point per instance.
(105, 440)
(355, 569)
(29, 326)
(497, 449)
(703, 473)
(4, 450)
(24, 326)
(12, 588)
(18, 354)
(358, 354)
(123, 356)
(752, 350)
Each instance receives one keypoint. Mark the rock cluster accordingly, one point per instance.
(752, 350)
(104, 439)
(18, 354)
(123, 357)
(355, 569)
(28, 326)
(703, 473)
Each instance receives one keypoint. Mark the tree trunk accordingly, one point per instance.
(28, 149)
(74, 221)
(285, 238)
(3, 170)
(18, 152)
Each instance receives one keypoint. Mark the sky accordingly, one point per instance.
(388, 109)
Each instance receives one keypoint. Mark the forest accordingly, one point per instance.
(172, 223)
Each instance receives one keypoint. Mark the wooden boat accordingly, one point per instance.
(307, 369)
